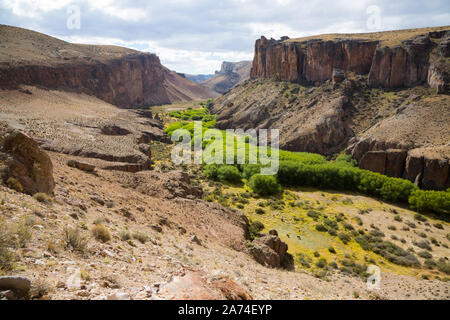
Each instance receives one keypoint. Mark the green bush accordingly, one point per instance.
(210, 171)
(249, 170)
(264, 185)
(397, 189)
(346, 160)
(434, 201)
(253, 229)
(229, 174)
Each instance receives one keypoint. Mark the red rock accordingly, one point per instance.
(21, 158)
(196, 285)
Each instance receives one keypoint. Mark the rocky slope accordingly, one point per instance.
(231, 74)
(390, 59)
(331, 118)
(120, 76)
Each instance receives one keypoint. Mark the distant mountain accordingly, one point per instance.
(231, 74)
(198, 78)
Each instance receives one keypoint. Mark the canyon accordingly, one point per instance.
(381, 97)
(87, 183)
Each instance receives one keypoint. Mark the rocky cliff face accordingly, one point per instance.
(311, 61)
(402, 64)
(120, 76)
(230, 74)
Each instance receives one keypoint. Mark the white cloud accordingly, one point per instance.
(185, 61)
(194, 36)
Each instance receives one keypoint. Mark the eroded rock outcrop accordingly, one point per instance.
(316, 60)
(24, 166)
(270, 251)
(428, 168)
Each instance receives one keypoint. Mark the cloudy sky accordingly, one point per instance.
(195, 36)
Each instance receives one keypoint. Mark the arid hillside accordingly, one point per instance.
(120, 76)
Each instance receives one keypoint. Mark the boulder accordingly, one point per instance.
(23, 162)
(19, 285)
(338, 76)
(80, 165)
(197, 285)
(269, 250)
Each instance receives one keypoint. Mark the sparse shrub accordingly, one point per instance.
(321, 263)
(39, 289)
(125, 235)
(101, 233)
(333, 232)
(22, 234)
(443, 266)
(75, 240)
(439, 226)
(359, 221)
(410, 224)
(304, 260)
(254, 229)
(141, 237)
(377, 233)
(321, 228)
(345, 238)
(43, 198)
(388, 250)
(14, 184)
(423, 244)
(109, 204)
(425, 255)
(7, 257)
(398, 218)
(429, 264)
(422, 235)
(348, 226)
(331, 223)
(393, 228)
(332, 250)
(420, 218)
(260, 211)
(313, 214)
(264, 185)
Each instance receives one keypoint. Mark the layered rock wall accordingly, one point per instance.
(133, 80)
(313, 61)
